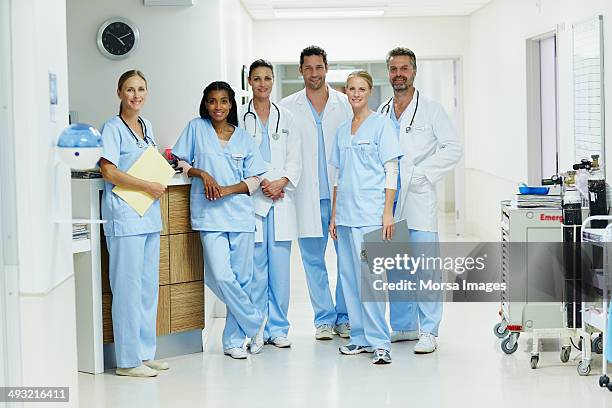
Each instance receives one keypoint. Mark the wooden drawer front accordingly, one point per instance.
(178, 209)
(163, 314)
(164, 260)
(186, 306)
(164, 264)
(163, 203)
(186, 261)
(107, 319)
(163, 311)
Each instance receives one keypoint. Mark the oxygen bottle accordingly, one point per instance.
(572, 220)
(598, 204)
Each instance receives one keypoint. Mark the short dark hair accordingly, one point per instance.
(232, 118)
(401, 51)
(260, 63)
(313, 50)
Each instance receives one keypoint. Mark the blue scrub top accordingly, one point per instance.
(121, 149)
(264, 146)
(396, 122)
(360, 160)
(199, 145)
(322, 158)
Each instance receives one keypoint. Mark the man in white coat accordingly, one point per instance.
(431, 149)
(318, 110)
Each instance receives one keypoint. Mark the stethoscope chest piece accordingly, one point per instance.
(275, 136)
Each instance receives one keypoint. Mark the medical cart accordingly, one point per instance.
(539, 319)
(595, 314)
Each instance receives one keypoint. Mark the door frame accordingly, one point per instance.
(534, 106)
(10, 328)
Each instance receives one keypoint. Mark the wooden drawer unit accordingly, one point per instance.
(186, 262)
(181, 270)
(186, 306)
(178, 206)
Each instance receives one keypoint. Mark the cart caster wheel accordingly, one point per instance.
(500, 330)
(534, 362)
(597, 345)
(565, 354)
(583, 368)
(506, 347)
(604, 380)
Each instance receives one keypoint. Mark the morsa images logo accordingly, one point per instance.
(544, 217)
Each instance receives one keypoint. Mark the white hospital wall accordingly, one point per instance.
(181, 50)
(281, 41)
(495, 97)
(46, 287)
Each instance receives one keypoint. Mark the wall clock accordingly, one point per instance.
(117, 38)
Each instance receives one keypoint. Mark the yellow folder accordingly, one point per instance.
(150, 166)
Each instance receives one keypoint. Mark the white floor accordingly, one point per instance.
(468, 370)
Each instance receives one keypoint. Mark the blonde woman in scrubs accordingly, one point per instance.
(132, 240)
(366, 153)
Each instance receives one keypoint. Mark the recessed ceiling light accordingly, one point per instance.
(327, 12)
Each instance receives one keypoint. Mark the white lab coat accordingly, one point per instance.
(286, 161)
(336, 112)
(431, 149)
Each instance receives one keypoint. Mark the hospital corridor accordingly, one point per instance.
(305, 203)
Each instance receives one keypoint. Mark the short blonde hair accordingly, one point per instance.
(361, 74)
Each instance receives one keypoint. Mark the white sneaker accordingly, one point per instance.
(281, 342)
(324, 332)
(343, 330)
(257, 342)
(400, 335)
(157, 365)
(427, 344)
(140, 371)
(381, 356)
(236, 352)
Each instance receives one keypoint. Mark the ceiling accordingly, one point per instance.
(300, 9)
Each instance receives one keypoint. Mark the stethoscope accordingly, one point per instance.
(139, 142)
(275, 135)
(386, 110)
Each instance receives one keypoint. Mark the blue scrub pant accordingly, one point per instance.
(228, 259)
(424, 315)
(271, 280)
(368, 323)
(313, 258)
(134, 279)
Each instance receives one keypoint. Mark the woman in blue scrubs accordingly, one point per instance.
(279, 141)
(366, 153)
(132, 240)
(226, 165)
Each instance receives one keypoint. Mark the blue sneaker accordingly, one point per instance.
(351, 349)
